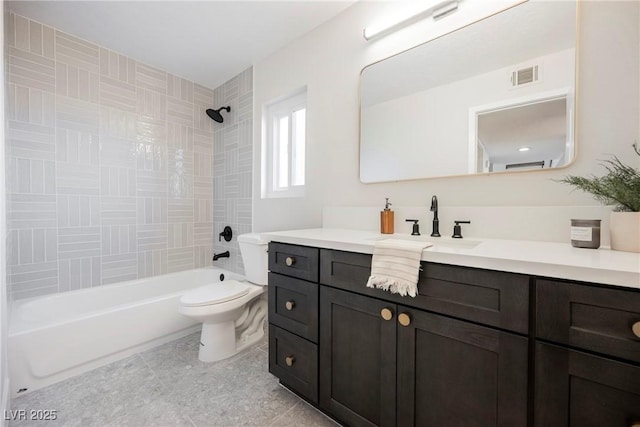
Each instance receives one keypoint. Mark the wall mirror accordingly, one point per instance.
(494, 96)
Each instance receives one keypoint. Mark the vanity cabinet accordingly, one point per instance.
(293, 317)
(475, 347)
(385, 360)
(574, 387)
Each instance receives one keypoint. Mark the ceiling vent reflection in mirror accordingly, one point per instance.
(525, 75)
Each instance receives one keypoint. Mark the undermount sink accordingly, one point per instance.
(443, 242)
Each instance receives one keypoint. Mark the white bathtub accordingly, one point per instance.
(58, 336)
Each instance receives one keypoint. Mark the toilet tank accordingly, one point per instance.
(254, 257)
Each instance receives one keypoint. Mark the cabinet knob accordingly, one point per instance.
(289, 360)
(386, 314)
(290, 261)
(404, 319)
(289, 305)
(636, 331)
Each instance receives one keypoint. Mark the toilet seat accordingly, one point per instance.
(216, 293)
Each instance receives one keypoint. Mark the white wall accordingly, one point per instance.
(329, 60)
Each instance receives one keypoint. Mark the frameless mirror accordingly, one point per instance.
(495, 96)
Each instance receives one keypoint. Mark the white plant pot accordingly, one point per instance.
(624, 231)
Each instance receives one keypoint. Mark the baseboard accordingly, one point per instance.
(6, 402)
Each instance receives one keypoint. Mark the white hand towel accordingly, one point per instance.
(395, 266)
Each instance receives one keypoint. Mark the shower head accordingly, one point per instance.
(215, 114)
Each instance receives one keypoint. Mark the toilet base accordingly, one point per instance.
(224, 339)
(217, 341)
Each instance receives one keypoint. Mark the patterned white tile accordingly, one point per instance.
(151, 237)
(76, 52)
(151, 104)
(152, 263)
(79, 273)
(117, 182)
(118, 210)
(33, 280)
(78, 210)
(180, 235)
(77, 147)
(179, 88)
(151, 78)
(180, 136)
(119, 268)
(117, 94)
(180, 210)
(180, 259)
(77, 179)
(119, 239)
(180, 112)
(77, 115)
(152, 210)
(31, 141)
(31, 70)
(31, 211)
(78, 242)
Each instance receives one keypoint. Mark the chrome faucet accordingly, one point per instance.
(436, 222)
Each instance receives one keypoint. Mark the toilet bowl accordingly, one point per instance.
(232, 312)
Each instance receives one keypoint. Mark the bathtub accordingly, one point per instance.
(58, 336)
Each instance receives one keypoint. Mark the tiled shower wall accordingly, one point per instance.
(109, 165)
(233, 151)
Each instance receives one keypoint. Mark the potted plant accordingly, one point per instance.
(619, 187)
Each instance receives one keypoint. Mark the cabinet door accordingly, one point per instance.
(357, 358)
(578, 389)
(454, 373)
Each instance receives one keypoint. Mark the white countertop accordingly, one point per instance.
(548, 259)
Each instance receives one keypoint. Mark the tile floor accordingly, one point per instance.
(168, 386)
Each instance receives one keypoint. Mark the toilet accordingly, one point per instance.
(232, 312)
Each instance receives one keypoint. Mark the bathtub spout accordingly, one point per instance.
(221, 255)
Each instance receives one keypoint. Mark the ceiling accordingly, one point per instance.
(208, 42)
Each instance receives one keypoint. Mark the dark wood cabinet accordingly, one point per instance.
(293, 318)
(455, 373)
(475, 348)
(578, 389)
(357, 358)
(573, 386)
(435, 371)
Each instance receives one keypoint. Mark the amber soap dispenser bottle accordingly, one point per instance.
(386, 219)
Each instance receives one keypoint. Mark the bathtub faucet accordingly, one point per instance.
(221, 255)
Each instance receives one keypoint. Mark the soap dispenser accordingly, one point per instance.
(386, 219)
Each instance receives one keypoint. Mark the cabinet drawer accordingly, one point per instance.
(294, 361)
(588, 317)
(484, 296)
(293, 305)
(295, 261)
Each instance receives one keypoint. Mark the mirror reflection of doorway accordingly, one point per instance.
(523, 135)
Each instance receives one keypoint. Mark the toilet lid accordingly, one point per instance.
(215, 293)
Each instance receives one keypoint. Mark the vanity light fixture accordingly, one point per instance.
(524, 148)
(418, 11)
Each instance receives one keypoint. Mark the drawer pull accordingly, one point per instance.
(636, 331)
(386, 314)
(289, 360)
(290, 261)
(289, 305)
(404, 319)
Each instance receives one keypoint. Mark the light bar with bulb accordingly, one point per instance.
(409, 15)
